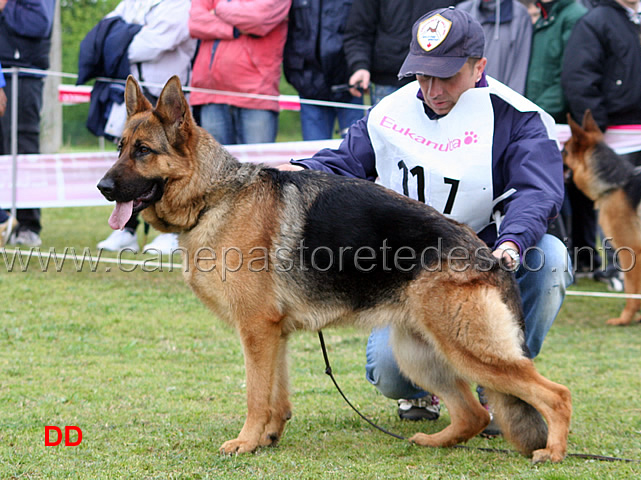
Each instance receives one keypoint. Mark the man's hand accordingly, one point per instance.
(290, 167)
(3, 101)
(360, 78)
(3, 3)
(504, 257)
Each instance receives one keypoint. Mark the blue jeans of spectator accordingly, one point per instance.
(317, 122)
(542, 278)
(231, 125)
(378, 92)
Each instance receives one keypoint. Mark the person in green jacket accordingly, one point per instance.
(551, 33)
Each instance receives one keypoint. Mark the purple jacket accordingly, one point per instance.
(523, 158)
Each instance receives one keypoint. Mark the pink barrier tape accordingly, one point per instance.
(69, 180)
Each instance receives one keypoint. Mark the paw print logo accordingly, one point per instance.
(470, 137)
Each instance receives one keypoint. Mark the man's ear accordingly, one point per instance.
(479, 68)
(134, 98)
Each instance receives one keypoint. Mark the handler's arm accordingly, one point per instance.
(531, 164)
(353, 158)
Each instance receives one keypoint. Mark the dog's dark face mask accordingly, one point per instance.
(149, 151)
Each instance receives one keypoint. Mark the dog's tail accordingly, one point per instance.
(520, 422)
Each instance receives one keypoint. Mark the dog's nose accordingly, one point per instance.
(106, 187)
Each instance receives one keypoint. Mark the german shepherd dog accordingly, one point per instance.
(312, 250)
(615, 187)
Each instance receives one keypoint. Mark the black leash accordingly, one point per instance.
(328, 371)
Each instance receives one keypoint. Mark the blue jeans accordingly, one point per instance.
(378, 92)
(233, 125)
(544, 274)
(317, 122)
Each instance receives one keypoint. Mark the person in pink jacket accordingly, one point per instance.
(241, 51)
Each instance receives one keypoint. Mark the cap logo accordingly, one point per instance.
(432, 31)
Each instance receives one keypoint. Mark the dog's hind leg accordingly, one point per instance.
(261, 340)
(620, 222)
(519, 423)
(419, 362)
(281, 409)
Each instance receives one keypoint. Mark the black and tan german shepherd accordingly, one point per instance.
(271, 252)
(614, 186)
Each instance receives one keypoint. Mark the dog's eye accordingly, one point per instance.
(144, 150)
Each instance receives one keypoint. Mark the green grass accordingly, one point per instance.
(157, 384)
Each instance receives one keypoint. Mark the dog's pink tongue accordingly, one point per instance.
(121, 215)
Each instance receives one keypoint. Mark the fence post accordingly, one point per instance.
(14, 139)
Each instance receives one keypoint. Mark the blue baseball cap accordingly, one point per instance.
(442, 41)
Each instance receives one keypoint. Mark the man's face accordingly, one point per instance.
(441, 94)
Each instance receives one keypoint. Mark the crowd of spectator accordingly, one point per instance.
(564, 55)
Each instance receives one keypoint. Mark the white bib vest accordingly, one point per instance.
(445, 163)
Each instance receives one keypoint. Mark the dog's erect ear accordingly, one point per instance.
(172, 105)
(134, 98)
(576, 129)
(589, 124)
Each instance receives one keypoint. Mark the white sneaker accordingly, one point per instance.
(165, 244)
(119, 240)
(28, 238)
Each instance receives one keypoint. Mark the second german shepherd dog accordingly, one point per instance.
(615, 187)
(311, 250)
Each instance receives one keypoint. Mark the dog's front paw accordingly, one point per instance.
(237, 446)
(547, 454)
(620, 321)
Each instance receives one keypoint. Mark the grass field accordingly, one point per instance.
(156, 384)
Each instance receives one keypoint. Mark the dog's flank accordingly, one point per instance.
(347, 242)
(615, 187)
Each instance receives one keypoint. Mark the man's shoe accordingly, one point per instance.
(165, 244)
(120, 240)
(492, 430)
(6, 228)
(27, 238)
(611, 277)
(426, 408)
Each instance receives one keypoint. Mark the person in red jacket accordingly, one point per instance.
(241, 51)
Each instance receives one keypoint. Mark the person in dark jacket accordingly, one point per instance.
(602, 72)
(476, 151)
(25, 41)
(314, 62)
(551, 33)
(602, 65)
(377, 39)
(7, 222)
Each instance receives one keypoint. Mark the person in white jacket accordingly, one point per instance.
(162, 48)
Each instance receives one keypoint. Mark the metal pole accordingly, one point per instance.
(14, 140)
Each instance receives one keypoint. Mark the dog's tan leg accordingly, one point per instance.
(261, 340)
(553, 401)
(418, 360)
(280, 404)
(468, 417)
(632, 284)
(621, 223)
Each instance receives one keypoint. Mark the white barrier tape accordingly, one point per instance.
(576, 293)
(45, 258)
(79, 258)
(279, 98)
